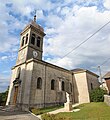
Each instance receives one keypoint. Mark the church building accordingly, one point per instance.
(36, 83)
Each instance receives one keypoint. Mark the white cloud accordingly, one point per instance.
(107, 4)
(50, 31)
(53, 21)
(39, 14)
(4, 82)
(66, 62)
(87, 2)
(65, 10)
(3, 57)
(74, 29)
(10, 57)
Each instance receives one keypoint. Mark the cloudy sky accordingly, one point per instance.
(66, 23)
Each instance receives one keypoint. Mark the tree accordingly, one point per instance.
(97, 95)
(3, 97)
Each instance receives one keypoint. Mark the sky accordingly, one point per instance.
(66, 23)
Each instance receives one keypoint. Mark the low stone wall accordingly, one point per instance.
(107, 99)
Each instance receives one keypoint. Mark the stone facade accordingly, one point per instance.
(36, 83)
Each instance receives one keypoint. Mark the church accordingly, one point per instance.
(36, 83)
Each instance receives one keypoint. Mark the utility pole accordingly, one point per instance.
(100, 74)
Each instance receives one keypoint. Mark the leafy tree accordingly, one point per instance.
(97, 95)
(3, 97)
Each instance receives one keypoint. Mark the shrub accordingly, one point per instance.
(48, 117)
(54, 117)
(97, 95)
(36, 111)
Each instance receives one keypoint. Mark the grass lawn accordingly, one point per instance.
(90, 111)
(45, 110)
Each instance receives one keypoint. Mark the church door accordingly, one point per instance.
(15, 95)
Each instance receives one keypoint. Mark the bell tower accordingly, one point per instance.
(31, 42)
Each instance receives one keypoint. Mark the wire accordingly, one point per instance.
(105, 61)
(99, 68)
(85, 40)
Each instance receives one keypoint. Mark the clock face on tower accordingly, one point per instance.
(35, 54)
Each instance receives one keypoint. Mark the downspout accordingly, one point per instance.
(88, 86)
(22, 86)
(31, 82)
(73, 98)
(45, 85)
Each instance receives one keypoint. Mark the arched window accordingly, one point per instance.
(26, 39)
(63, 86)
(18, 73)
(22, 44)
(33, 39)
(38, 41)
(52, 84)
(70, 87)
(91, 86)
(39, 83)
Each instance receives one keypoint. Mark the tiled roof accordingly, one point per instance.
(107, 75)
(78, 70)
(35, 25)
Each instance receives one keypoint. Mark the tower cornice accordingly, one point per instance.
(35, 27)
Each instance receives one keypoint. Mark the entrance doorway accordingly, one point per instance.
(15, 95)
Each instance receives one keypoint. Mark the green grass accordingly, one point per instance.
(45, 110)
(90, 111)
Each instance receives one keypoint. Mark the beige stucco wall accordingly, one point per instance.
(82, 88)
